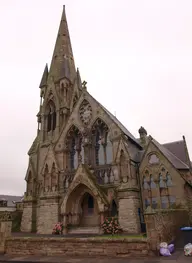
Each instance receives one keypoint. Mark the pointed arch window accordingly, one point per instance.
(102, 146)
(169, 180)
(46, 176)
(53, 176)
(75, 149)
(51, 116)
(150, 190)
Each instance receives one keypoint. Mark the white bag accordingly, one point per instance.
(188, 249)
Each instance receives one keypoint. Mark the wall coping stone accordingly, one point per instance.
(79, 240)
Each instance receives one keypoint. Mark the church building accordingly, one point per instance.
(84, 165)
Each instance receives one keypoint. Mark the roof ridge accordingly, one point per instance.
(172, 142)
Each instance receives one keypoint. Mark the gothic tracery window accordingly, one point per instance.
(51, 116)
(157, 189)
(102, 145)
(150, 190)
(75, 149)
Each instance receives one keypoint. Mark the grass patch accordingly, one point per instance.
(120, 236)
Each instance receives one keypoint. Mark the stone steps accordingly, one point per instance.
(84, 230)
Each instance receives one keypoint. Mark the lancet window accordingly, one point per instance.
(158, 189)
(53, 176)
(102, 146)
(150, 190)
(46, 177)
(51, 116)
(75, 149)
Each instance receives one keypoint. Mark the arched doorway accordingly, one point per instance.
(114, 210)
(90, 216)
(80, 208)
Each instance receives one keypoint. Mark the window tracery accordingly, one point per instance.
(74, 145)
(155, 189)
(102, 146)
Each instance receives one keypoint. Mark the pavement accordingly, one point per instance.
(177, 257)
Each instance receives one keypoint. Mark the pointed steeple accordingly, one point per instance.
(62, 64)
(44, 78)
(79, 83)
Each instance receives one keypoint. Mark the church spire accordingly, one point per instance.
(62, 64)
(43, 82)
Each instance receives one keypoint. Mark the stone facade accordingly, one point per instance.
(84, 165)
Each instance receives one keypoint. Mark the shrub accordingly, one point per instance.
(58, 229)
(111, 226)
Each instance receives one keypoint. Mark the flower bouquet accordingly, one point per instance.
(111, 226)
(58, 229)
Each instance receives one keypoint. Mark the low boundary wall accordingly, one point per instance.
(59, 246)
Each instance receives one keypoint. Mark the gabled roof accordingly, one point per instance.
(178, 149)
(118, 123)
(10, 199)
(176, 162)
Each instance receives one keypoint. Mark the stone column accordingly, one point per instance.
(152, 234)
(26, 222)
(5, 229)
(129, 203)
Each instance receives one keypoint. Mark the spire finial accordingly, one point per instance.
(62, 61)
(44, 77)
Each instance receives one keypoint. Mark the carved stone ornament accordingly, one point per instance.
(6, 216)
(85, 112)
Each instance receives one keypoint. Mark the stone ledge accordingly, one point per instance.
(79, 240)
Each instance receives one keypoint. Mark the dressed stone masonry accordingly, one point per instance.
(84, 165)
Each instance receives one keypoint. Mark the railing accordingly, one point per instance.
(104, 174)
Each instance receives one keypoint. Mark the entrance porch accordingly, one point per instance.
(83, 211)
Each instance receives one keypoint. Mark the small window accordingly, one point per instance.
(147, 203)
(164, 202)
(162, 183)
(154, 202)
(172, 200)
(152, 183)
(145, 184)
(169, 180)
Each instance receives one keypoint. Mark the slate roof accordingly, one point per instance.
(11, 199)
(177, 163)
(178, 149)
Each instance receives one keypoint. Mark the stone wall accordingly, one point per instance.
(47, 215)
(164, 225)
(77, 247)
(26, 222)
(5, 229)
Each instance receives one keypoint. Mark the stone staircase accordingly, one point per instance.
(95, 230)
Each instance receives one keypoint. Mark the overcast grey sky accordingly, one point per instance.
(135, 55)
